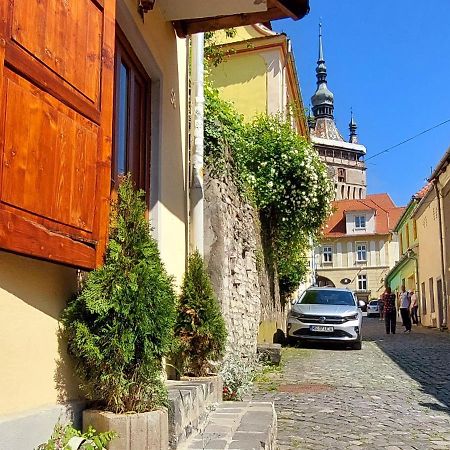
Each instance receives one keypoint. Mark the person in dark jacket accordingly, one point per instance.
(390, 311)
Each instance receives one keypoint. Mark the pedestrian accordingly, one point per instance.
(389, 310)
(414, 307)
(381, 307)
(405, 303)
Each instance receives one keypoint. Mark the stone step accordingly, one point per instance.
(190, 402)
(237, 425)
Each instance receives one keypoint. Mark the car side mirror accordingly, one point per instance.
(361, 304)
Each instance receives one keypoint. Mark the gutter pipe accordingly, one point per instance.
(443, 325)
(197, 120)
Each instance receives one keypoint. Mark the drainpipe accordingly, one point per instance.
(441, 245)
(198, 134)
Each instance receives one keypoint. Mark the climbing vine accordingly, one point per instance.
(279, 172)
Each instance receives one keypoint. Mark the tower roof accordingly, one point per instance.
(323, 98)
(352, 127)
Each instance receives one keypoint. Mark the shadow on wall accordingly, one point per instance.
(42, 285)
(33, 294)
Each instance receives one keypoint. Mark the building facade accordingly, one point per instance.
(89, 90)
(406, 270)
(259, 74)
(358, 248)
(433, 229)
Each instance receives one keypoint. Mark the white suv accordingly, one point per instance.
(326, 314)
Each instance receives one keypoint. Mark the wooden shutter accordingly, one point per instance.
(56, 100)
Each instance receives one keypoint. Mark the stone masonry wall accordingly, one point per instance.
(239, 267)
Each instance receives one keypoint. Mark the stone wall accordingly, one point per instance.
(238, 262)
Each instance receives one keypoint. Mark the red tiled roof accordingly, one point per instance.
(387, 214)
(423, 191)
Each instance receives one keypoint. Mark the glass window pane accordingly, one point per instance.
(122, 130)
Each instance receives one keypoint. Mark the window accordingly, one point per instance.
(131, 150)
(362, 282)
(361, 252)
(327, 254)
(360, 222)
(407, 235)
(431, 288)
(423, 300)
(414, 229)
(341, 175)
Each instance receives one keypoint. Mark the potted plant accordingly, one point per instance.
(199, 327)
(120, 327)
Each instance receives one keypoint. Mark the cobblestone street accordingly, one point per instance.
(393, 394)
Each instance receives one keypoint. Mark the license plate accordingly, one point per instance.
(322, 328)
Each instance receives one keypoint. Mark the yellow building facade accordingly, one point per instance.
(258, 74)
(433, 221)
(36, 376)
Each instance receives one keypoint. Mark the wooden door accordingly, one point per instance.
(56, 100)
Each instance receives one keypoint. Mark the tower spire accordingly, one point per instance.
(352, 127)
(323, 99)
(320, 44)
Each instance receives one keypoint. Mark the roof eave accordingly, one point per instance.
(276, 9)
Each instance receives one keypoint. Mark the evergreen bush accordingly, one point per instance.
(199, 327)
(120, 325)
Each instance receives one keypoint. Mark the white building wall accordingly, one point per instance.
(372, 254)
(339, 255)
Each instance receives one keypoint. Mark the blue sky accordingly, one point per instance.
(390, 61)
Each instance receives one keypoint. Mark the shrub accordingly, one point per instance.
(238, 374)
(120, 325)
(200, 327)
(291, 188)
(63, 434)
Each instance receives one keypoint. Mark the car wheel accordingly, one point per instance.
(357, 345)
(291, 341)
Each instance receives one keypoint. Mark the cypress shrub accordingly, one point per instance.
(120, 325)
(199, 327)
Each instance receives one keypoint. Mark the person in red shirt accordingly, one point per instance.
(390, 311)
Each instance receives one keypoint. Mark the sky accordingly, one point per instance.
(390, 62)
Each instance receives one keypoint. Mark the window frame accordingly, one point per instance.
(361, 244)
(327, 253)
(138, 152)
(362, 282)
(360, 227)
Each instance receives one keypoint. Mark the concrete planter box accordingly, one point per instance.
(138, 431)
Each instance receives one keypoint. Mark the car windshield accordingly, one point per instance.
(374, 303)
(327, 298)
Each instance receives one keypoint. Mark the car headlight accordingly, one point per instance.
(352, 317)
(297, 315)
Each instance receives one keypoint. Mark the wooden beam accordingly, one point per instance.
(277, 9)
(186, 27)
(284, 9)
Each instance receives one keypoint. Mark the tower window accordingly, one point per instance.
(341, 175)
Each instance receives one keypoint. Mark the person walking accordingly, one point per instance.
(405, 303)
(414, 307)
(390, 312)
(381, 307)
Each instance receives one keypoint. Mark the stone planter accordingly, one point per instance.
(137, 431)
